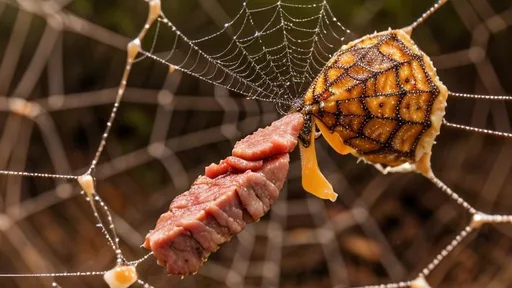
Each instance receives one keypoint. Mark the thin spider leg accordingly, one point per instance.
(478, 130)
(478, 96)
(425, 16)
(450, 193)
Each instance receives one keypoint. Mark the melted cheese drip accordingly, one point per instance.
(333, 139)
(313, 181)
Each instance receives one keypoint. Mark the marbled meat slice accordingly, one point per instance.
(232, 163)
(184, 254)
(177, 242)
(209, 214)
(213, 170)
(236, 192)
(276, 170)
(280, 137)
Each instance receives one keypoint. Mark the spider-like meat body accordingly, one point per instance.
(380, 99)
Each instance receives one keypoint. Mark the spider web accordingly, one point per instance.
(383, 229)
(270, 52)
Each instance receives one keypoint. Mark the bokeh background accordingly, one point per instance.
(66, 57)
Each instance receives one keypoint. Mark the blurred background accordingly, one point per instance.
(66, 58)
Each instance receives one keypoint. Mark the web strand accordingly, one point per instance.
(426, 15)
(279, 72)
(478, 96)
(477, 130)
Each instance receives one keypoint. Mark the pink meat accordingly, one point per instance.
(239, 164)
(214, 170)
(276, 171)
(232, 163)
(279, 138)
(235, 192)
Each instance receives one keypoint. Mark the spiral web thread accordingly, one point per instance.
(267, 74)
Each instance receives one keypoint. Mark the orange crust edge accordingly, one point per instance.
(427, 140)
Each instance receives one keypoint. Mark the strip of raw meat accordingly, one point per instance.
(280, 137)
(235, 192)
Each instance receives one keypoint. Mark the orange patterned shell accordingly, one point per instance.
(382, 96)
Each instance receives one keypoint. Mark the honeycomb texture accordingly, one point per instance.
(378, 94)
